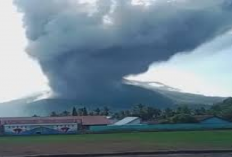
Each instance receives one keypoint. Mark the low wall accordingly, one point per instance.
(158, 127)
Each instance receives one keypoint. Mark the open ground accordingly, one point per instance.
(115, 143)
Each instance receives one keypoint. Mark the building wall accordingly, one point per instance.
(214, 120)
(30, 129)
(1, 129)
(158, 127)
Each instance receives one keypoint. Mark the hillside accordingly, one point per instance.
(161, 97)
(178, 96)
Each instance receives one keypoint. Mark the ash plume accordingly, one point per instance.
(86, 49)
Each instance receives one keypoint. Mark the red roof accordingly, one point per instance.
(94, 120)
(84, 120)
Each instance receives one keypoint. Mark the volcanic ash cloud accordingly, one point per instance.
(86, 49)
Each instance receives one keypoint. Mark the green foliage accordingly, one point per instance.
(182, 114)
(223, 109)
(97, 111)
(183, 110)
(183, 118)
(54, 114)
(65, 114)
(146, 112)
(200, 111)
(74, 111)
(168, 113)
(106, 111)
(84, 111)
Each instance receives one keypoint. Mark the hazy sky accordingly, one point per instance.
(19, 75)
(200, 71)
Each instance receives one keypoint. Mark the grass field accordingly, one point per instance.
(121, 142)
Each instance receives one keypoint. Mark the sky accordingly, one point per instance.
(206, 70)
(20, 76)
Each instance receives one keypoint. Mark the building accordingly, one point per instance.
(200, 119)
(49, 125)
(210, 119)
(87, 121)
(129, 121)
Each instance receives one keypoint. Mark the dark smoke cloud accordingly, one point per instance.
(87, 49)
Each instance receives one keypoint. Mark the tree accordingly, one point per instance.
(122, 115)
(200, 111)
(97, 111)
(91, 113)
(183, 118)
(80, 112)
(168, 113)
(226, 113)
(149, 113)
(116, 116)
(65, 113)
(74, 111)
(127, 113)
(157, 113)
(85, 112)
(54, 114)
(183, 110)
(106, 111)
(223, 109)
(139, 110)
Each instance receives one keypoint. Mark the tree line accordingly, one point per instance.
(82, 112)
(180, 114)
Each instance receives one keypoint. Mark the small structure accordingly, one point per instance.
(211, 119)
(129, 121)
(87, 121)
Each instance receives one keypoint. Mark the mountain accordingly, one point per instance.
(159, 94)
(43, 107)
(15, 107)
(179, 97)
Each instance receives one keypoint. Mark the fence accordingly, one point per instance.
(158, 127)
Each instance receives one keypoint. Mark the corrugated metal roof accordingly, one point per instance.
(126, 121)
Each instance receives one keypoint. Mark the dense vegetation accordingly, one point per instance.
(181, 114)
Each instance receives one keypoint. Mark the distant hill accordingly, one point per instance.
(223, 109)
(224, 105)
(176, 95)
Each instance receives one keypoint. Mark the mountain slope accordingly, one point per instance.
(158, 95)
(178, 96)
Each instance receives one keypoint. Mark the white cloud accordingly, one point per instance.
(206, 70)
